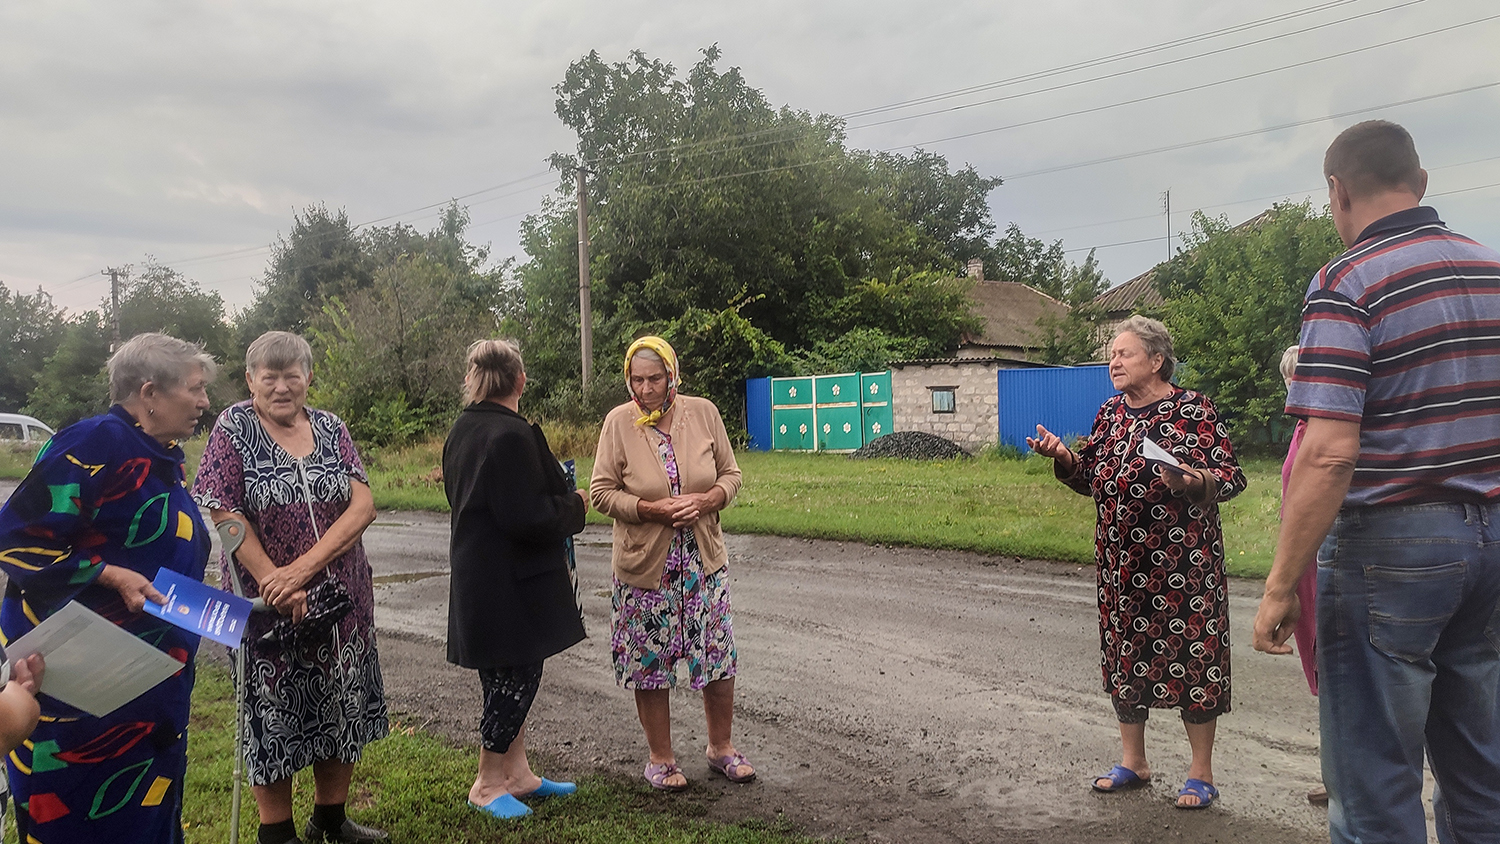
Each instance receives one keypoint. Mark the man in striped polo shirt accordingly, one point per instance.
(1399, 468)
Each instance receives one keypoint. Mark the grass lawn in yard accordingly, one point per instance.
(990, 504)
(415, 786)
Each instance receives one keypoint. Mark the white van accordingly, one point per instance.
(16, 428)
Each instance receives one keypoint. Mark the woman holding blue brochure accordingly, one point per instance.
(1157, 464)
(102, 512)
(511, 601)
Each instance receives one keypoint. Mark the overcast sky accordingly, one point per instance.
(192, 128)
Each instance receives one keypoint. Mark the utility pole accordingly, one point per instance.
(585, 307)
(114, 300)
(1166, 205)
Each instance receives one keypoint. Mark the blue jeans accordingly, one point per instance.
(1409, 660)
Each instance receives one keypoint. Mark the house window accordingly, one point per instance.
(943, 399)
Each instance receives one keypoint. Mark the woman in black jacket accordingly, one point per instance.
(511, 602)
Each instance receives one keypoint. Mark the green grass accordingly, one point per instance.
(415, 786)
(990, 504)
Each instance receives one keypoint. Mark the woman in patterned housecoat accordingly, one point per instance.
(294, 474)
(1163, 605)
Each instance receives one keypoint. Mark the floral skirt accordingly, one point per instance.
(687, 620)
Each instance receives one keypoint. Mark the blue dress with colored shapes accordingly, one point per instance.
(102, 492)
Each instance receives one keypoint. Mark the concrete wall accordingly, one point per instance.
(975, 420)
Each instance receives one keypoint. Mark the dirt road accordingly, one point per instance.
(885, 695)
(888, 695)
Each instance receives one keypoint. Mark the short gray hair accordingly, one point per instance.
(1155, 337)
(1289, 363)
(278, 350)
(154, 359)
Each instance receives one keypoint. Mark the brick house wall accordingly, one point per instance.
(974, 422)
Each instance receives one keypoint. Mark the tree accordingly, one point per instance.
(31, 327)
(1075, 337)
(72, 384)
(1234, 303)
(703, 197)
(319, 258)
(719, 350)
(393, 353)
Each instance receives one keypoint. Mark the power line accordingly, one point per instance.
(1191, 88)
(1250, 199)
(1042, 74)
(1261, 131)
(1096, 62)
(1119, 73)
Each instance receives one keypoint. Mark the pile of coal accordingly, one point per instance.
(910, 445)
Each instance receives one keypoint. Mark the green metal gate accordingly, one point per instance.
(792, 414)
(875, 401)
(829, 412)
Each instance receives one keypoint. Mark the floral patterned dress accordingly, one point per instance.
(102, 492)
(1163, 602)
(320, 700)
(686, 620)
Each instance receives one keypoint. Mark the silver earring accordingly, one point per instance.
(150, 411)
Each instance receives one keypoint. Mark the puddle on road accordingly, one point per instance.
(406, 577)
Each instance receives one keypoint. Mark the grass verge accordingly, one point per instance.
(415, 786)
(990, 504)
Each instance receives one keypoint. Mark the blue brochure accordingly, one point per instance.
(200, 608)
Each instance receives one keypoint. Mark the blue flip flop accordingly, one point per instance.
(548, 788)
(1120, 778)
(1205, 792)
(505, 807)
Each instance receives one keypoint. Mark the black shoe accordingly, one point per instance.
(349, 833)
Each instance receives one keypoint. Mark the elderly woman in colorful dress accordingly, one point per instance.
(1163, 605)
(511, 600)
(103, 510)
(293, 474)
(663, 471)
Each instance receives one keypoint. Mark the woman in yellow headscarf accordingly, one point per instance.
(663, 471)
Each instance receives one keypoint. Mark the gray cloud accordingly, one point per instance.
(183, 129)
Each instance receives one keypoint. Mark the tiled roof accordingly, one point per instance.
(1010, 311)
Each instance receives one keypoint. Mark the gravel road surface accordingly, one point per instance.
(885, 694)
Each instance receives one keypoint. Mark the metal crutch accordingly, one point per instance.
(231, 535)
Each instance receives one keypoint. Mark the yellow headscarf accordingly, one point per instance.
(669, 360)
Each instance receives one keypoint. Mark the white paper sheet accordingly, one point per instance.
(92, 664)
(1160, 456)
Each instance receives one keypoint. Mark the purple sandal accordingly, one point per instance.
(732, 762)
(657, 776)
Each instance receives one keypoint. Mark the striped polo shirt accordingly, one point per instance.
(1402, 334)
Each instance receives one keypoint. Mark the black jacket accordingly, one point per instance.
(510, 601)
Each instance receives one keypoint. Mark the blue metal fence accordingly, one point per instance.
(758, 413)
(1065, 399)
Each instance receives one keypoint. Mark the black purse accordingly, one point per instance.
(327, 604)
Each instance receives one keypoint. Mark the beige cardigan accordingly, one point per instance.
(628, 469)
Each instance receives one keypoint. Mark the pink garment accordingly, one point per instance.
(1306, 633)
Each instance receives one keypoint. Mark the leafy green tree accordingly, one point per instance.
(704, 197)
(72, 384)
(718, 350)
(860, 350)
(393, 353)
(321, 257)
(1234, 303)
(31, 327)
